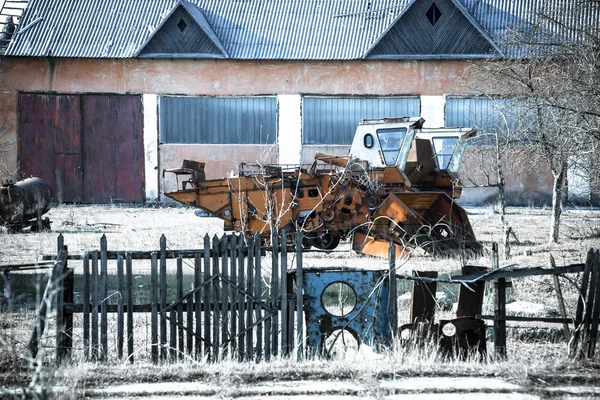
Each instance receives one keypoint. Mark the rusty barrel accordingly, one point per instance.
(24, 201)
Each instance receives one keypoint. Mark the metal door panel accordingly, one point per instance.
(36, 142)
(67, 178)
(98, 150)
(129, 148)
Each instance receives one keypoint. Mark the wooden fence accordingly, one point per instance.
(237, 308)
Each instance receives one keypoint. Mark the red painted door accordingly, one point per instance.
(89, 148)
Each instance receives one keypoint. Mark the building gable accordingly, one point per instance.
(184, 33)
(433, 29)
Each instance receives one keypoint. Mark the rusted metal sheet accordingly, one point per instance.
(129, 147)
(470, 298)
(422, 299)
(23, 203)
(113, 148)
(342, 299)
(99, 174)
(36, 139)
(67, 178)
(57, 133)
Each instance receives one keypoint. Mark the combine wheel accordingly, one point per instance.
(327, 241)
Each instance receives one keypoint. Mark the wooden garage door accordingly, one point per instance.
(89, 148)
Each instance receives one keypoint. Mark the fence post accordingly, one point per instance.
(64, 320)
(42, 311)
(154, 316)
(500, 309)
(234, 294)
(596, 312)
(120, 314)
(249, 300)
(129, 269)
(216, 298)
(224, 293)
(207, 311)
(180, 307)
(274, 326)
(581, 303)
(86, 305)
(284, 300)
(164, 351)
(241, 340)
(103, 299)
(95, 306)
(198, 303)
(258, 296)
(393, 293)
(299, 297)
(560, 298)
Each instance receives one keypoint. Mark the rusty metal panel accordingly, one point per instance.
(218, 120)
(98, 148)
(67, 178)
(422, 299)
(129, 147)
(36, 141)
(112, 148)
(333, 120)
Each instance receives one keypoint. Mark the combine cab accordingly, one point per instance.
(397, 185)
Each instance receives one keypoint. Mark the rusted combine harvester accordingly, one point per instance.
(22, 204)
(398, 184)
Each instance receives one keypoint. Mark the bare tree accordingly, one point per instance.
(556, 86)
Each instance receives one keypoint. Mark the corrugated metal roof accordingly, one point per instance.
(247, 29)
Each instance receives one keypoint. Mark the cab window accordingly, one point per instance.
(444, 148)
(390, 141)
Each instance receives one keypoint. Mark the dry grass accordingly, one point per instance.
(140, 228)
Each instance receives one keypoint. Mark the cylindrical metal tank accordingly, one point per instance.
(24, 201)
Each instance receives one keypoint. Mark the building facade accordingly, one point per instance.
(101, 96)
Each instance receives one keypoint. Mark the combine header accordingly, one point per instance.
(397, 185)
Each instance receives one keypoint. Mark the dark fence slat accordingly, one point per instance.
(273, 327)
(233, 293)
(163, 297)
(393, 296)
(207, 311)
(95, 304)
(224, 294)
(86, 306)
(596, 311)
(129, 273)
(172, 335)
(581, 302)
(103, 299)
(180, 307)
(249, 300)
(215, 299)
(285, 324)
(120, 315)
(258, 295)
(197, 303)
(299, 297)
(154, 315)
(241, 342)
(45, 304)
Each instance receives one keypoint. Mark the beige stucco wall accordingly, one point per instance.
(217, 78)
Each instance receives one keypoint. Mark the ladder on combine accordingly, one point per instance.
(10, 18)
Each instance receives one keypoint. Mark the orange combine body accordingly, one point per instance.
(397, 185)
